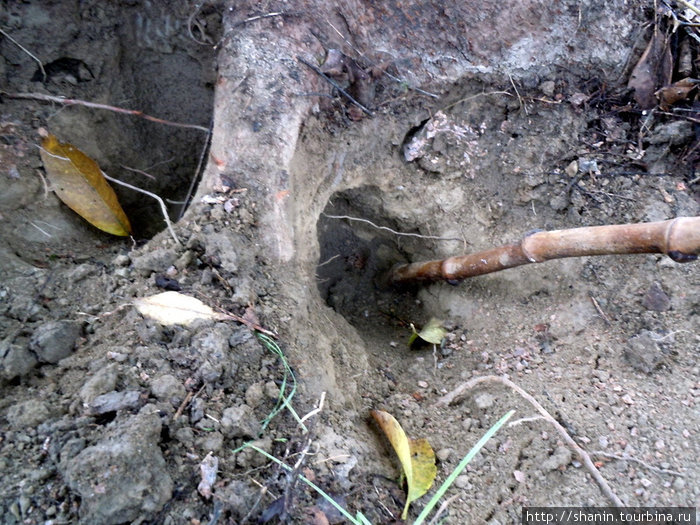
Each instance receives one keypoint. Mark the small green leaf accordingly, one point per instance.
(433, 332)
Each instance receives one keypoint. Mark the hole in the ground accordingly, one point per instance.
(151, 59)
(357, 249)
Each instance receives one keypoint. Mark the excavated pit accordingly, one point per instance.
(148, 60)
(358, 248)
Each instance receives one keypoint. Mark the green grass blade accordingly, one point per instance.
(282, 401)
(462, 465)
(361, 521)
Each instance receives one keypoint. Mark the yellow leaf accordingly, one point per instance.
(170, 308)
(416, 456)
(433, 332)
(79, 183)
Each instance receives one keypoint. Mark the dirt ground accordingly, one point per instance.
(485, 124)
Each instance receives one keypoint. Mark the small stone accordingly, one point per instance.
(211, 442)
(656, 299)
(196, 410)
(483, 401)
(462, 482)
(272, 390)
(240, 421)
(17, 362)
(121, 260)
(627, 399)
(674, 133)
(559, 202)
(168, 388)
(422, 384)
(122, 476)
(27, 414)
(678, 484)
(547, 88)
(254, 395)
(55, 340)
(155, 260)
(467, 423)
(103, 381)
(444, 454)
(659, 444)
(560, 459)
(185, 435)
(114, 401)
(643, 353)
(249, 458)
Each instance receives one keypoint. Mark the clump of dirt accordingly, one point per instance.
(306, 203)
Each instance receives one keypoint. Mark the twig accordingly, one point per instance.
(690, 6)
(94, 105)
(335, 85)
(520, 99)
(163, 209)
(260, 17)
(585, 458)
(42, 231)
(140, 172)
(635, 460)
(465, 99)
(600, 311)
(315, 410)
(41, 66)
(441, 510)
(385, 228)
(396, 79)
(197, 171)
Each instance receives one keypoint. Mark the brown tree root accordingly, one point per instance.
(679, 238)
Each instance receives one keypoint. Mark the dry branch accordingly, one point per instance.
(94, 105)
(458, 392)
(678, 238)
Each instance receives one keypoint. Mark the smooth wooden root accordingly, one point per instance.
(679, 238)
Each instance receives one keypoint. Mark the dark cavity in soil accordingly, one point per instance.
(357, 251)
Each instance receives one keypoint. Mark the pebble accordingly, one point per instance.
(240, 421)
(55, 340)
(124, 474)
(656, 299)
(115, 401)
(444, 453)
(17, 362)
(483, 401)
(211, 442)
(249, 458)
(561, 458)
(168, 388)
(254, 395)
(185, 435)
(272, 390)
(462, 482)
(643, 353)
(103, 381)
(154, 260)
(121, 260)
(27, 414)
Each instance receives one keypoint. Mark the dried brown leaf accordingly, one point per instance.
(79, 183)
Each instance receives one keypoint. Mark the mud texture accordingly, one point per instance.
(473, 125)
